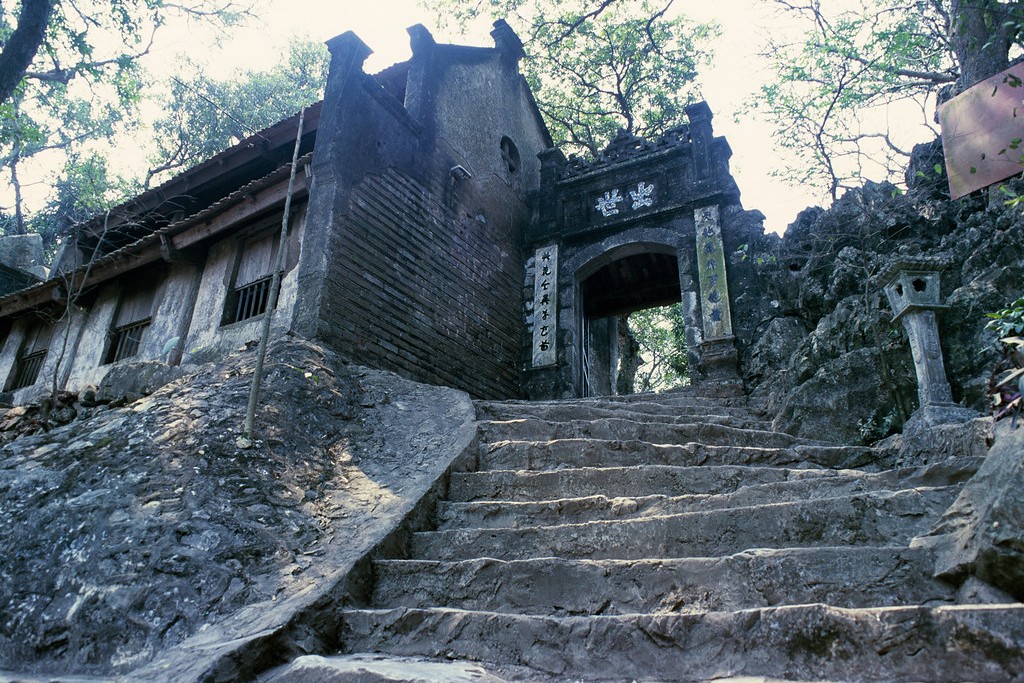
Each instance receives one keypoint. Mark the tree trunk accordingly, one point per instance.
(982, 34)
(19, 214)
(21, 49)
(629, 358)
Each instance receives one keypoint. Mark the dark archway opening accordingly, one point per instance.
(609, 295)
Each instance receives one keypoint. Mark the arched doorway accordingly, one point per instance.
(629, 282)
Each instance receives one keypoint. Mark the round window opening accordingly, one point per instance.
(509, 154)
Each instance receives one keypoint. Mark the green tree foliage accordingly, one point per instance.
(52, 122)
(204, 116)
(661, 335)
(1006, 387)
(97, 41)
(596, 67)
(85, 188)
(81, 80)
(864, 66)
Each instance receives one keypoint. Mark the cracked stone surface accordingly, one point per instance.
(140, 540)
(980, 536)
(610, 540)
(376, 532)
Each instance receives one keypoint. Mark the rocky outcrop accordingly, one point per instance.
(825, 345)
(143, 539)
(980, 535)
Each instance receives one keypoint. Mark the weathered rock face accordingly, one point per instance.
(131, 381)
(134, 529)
(825, 342)
(980, 534)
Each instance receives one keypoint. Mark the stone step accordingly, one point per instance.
(614, 418)
(684, 398)
(800, 642)
(630, 430)
(560, 412)
(595, 452)
(496, 514)
(876, 518)
(370, 668)
(843, 577)
(615, 481)
(687, 392)
(670, 480)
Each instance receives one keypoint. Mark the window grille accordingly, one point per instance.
(250, 294)
(126, 340)
(134, 315)
(27, 371)
(31, 356)
(251, 299)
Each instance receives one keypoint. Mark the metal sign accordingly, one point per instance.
(982, 132)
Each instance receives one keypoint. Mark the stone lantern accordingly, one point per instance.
(913, 292)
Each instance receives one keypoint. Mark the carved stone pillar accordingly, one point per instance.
(545, 306)
(923, 332)
(913, 294)
(719, 359)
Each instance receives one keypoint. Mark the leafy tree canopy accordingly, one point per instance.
(661, 336)
(204, 116)
(596, 67)
(844, 92)
(70, 75)
(99, 41)
(84, 188)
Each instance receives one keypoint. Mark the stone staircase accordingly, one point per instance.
(678, 538)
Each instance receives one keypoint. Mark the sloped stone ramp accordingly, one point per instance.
(670, 538)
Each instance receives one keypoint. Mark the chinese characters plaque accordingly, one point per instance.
(613, 203)
(714, 290)
(545, 306)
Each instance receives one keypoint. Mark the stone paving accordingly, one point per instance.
(673, 538)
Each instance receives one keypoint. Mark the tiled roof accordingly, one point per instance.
(153, 238)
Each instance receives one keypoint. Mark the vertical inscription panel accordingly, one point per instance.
(714, 290)
(545, 306)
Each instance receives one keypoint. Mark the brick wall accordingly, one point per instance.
(415, 289)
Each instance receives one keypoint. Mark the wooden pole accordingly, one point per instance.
(275, 284)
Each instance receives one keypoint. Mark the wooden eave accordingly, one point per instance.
(215, 171)
(250, 201)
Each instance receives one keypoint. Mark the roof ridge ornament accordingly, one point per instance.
(623, 146)
(506, 40)
(626, 146)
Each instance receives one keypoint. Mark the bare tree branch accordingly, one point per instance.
(933, 77)
(570, 26)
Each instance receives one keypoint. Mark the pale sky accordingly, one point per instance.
(382, 25)
(734, 77)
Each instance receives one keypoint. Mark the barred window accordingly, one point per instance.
(251, 293)
(133, 317)
(126, 340)
(33, 354)
(251, 300)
